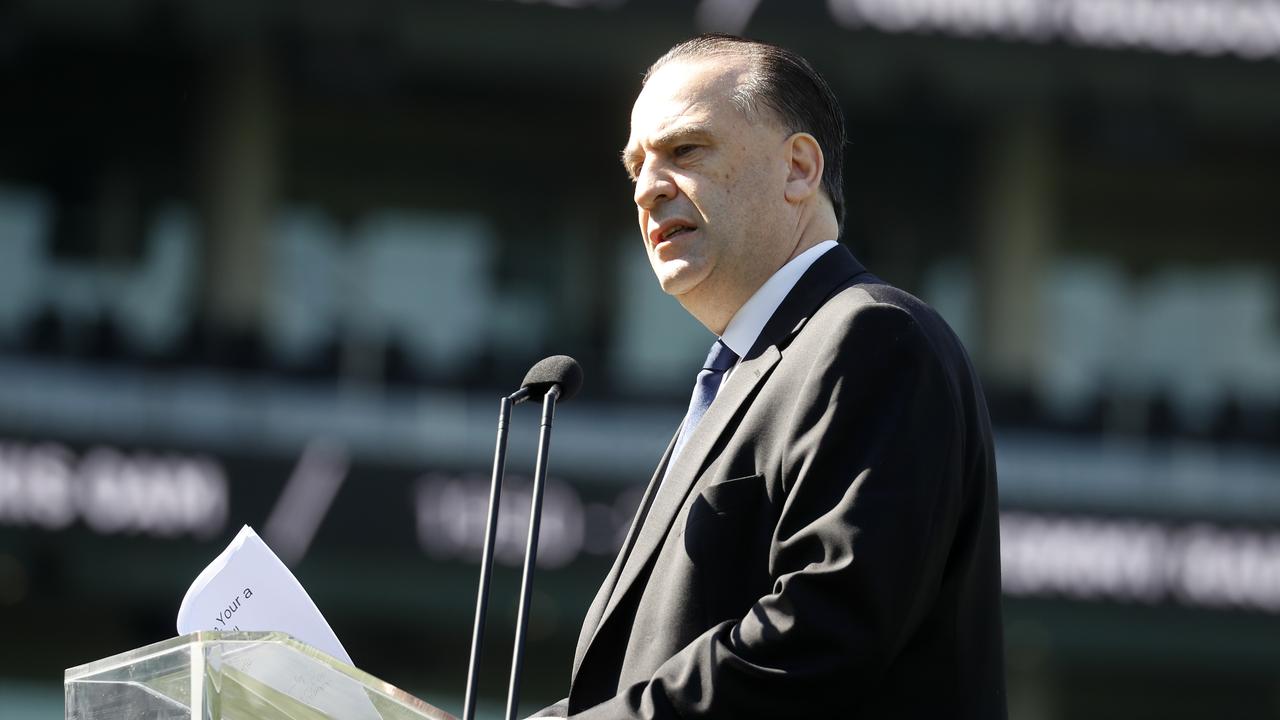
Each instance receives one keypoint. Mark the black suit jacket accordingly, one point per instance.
(826, 544)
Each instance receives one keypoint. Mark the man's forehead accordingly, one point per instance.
(685, 91)
(696, 80)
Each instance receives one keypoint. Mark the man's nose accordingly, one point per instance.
(653, 185)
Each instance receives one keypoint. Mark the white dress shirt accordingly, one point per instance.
(744, 329)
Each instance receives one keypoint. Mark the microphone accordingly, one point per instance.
(555, 378)
(549, 372)
(558, 376)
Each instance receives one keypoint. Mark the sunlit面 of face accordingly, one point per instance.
(709, 187)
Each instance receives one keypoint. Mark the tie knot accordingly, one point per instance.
(721, 358)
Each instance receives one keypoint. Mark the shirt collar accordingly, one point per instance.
(747, 324)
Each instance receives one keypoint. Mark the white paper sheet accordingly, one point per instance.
(248, 588)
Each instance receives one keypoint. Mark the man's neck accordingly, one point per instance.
(743, 330)
(715, 307)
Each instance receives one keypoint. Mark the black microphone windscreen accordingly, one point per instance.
(559, 370)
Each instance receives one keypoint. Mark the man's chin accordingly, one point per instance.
(677, 281)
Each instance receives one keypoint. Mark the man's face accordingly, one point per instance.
(709, 183)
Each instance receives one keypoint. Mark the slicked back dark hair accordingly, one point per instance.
(786, 84)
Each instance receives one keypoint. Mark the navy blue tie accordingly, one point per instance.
(718, 361)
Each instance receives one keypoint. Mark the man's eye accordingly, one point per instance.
(682, 150)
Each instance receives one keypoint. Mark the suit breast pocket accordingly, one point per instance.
(721, 513)
(732, 495)
(726, 538)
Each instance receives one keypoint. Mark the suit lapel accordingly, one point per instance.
(666, 495)
(835, 270)
(592, 620)
(686, 468)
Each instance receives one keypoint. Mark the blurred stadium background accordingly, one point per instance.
(255, 246)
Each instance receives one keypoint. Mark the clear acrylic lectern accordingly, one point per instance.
(234, 676)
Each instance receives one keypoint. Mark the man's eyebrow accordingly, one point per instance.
(675, 135)
(628, 155)
(668, 138)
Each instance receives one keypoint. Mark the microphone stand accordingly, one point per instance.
(486, 558)
(531, 549)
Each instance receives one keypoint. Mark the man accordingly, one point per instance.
(821, 540)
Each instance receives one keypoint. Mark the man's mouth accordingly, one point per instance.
(675, 231)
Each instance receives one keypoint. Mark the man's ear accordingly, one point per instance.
(804, 167)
